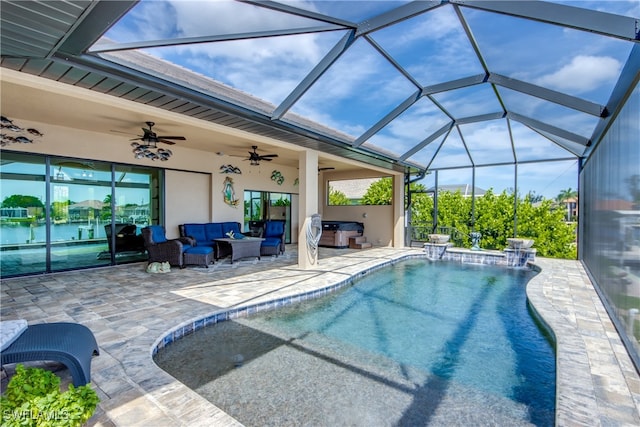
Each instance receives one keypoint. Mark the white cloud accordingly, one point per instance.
(583, 74)
(439, 24)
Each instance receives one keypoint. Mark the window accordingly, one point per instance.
(363, 191)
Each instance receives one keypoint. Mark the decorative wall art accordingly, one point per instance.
(14, 134)
(230, 169)
(229, 194)
(277, 177)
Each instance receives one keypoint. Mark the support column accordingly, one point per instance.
(398, 211)
(308, 185)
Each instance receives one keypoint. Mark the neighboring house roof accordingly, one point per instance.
(464, 189)
(87, 204)
(353, 188)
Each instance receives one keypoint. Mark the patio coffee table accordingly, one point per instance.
(241, 248)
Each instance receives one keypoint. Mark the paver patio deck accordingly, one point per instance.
(129, 310)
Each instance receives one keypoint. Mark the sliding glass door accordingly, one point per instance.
(23, 231)
(61, 213)
(136, 205)
(264, 205)
(80, 193)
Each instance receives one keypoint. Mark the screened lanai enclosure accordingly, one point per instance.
(524, 97)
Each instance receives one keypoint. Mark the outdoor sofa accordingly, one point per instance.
(203, 234)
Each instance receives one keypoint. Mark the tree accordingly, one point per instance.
(454, 210)
(105, 212)
(553, 237)
(337, 198)
(33, 204)
(379, 193)
(494, 219)
(421, 206)
(21, 201)
(563, 197)
(60, 210)
(533, 197)
(569, 193)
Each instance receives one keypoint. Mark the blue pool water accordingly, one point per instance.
(417, 343)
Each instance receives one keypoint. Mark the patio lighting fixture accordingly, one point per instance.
(149, 149)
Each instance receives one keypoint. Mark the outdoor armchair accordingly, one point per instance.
(161, 249)
(273, 234)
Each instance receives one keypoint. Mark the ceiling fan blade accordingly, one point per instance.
(265, 159)
(166, 141)
(268, 155)
(119, 131)
(179, 138)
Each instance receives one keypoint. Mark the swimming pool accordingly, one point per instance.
(417, 343)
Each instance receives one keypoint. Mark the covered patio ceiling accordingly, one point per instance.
(406, 86)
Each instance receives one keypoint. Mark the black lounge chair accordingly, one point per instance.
(71, 344)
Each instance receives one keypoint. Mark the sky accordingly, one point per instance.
(362, 86)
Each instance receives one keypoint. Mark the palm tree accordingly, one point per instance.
(569, 193)
(106, 208)
(564, 196)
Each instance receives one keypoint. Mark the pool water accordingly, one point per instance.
(416, 343)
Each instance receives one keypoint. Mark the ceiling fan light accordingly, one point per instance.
(147, 147)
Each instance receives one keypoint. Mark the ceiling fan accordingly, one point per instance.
(148, 147)
(255, 158)
(150, 138)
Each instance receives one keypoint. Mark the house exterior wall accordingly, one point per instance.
(378, 220)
